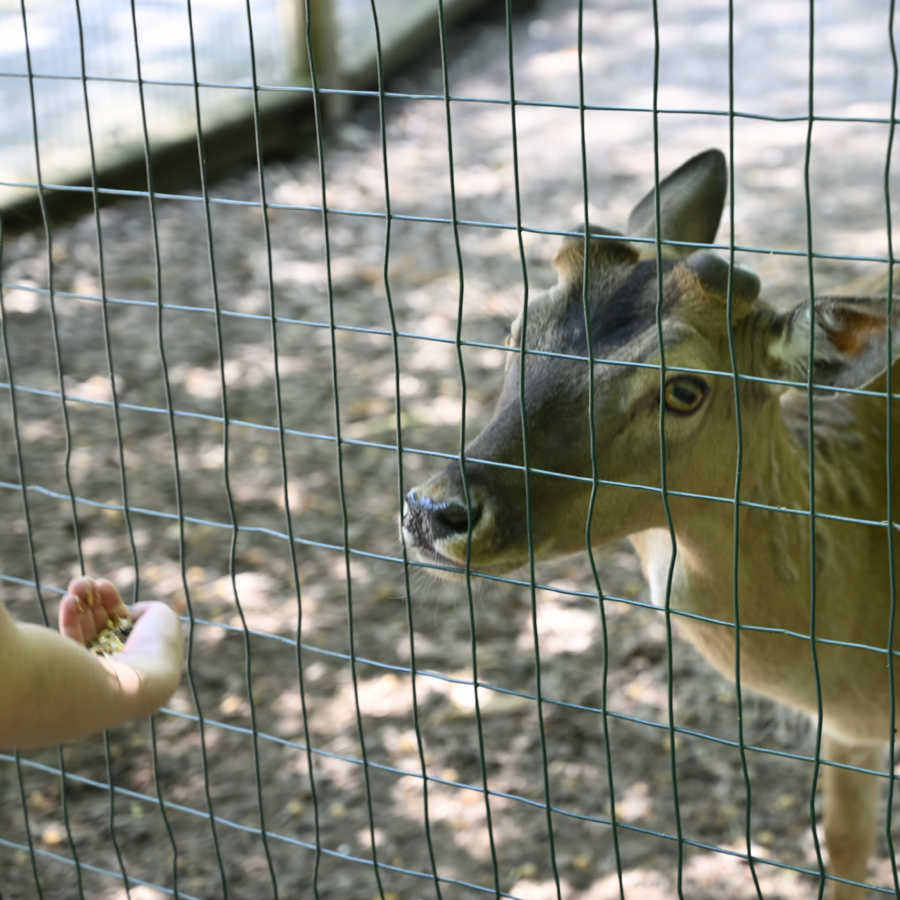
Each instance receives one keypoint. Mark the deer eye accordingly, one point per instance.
(684, 395)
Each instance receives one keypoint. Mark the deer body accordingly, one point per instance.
(477, 510)
(852, 595)
(852, 576)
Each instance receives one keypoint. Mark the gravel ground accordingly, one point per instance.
(359, 616)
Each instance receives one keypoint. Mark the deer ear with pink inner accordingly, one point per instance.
(849, 341)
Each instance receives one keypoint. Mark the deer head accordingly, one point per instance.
(608, 307)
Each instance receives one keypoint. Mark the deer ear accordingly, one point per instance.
(691, 201)
(606, 249)
(850, 341)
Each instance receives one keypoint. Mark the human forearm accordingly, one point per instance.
(52, 689)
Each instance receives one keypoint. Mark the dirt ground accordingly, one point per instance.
(240, 743)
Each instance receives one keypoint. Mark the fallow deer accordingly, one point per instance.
(475, 514)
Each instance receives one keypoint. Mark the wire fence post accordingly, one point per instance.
(323, 36)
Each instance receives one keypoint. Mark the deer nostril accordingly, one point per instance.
(426, 521)
(452, 518)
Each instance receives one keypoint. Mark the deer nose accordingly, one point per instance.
(438, 520)
(452, 518)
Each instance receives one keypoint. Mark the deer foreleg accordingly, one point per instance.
(851, 801)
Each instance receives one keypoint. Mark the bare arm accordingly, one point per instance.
(54, 690)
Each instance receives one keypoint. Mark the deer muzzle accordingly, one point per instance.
(438, 529)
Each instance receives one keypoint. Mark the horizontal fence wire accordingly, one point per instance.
(258, 817)
(683, 111)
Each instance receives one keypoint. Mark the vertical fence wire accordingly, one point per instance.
(120, 447)
(233, 550)
(20, 466)
(282, 454)
(113, 837)
(458, 341)
(526, 464)
(28, 835)
(739, 460)
(345, 519)
(595, 474)
(154, 749)
(20, 462)
(164, 815)
(398, 431)
(889, 450)
(810, 386)
(157, 271)
(126, 513)
(663, 468)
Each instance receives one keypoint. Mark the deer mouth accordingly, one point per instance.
(423, 531)
(433, 529)
(454, 537)
(444, 566)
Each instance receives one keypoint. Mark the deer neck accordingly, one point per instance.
(772, 566)
(712, 549)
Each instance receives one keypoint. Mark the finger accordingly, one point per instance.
(111, 600)
(88, 607)
(94, 613)
(71, 618)
(81, 613)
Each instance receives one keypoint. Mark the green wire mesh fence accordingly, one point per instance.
(219, 398)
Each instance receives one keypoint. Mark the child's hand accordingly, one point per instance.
(150, 665)
(54, 690)
(88, 608)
